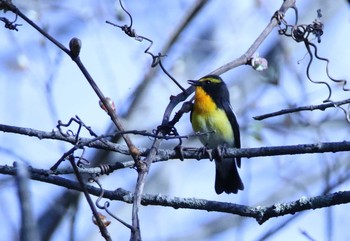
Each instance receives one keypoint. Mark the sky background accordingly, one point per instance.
(40, 85)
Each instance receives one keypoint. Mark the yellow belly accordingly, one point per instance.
(206, 117)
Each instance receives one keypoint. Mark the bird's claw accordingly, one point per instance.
(201, 152)
(210, 154)
(220, 151)
(180, 150)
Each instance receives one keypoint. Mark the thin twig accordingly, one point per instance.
(136, 95)
(101, 226)
(287, 4)
(133, 150)
(106, 204)
(303, 108)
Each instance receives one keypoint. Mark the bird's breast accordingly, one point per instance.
(204, 104)
(208, 118)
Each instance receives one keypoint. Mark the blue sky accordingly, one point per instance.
(40, 85)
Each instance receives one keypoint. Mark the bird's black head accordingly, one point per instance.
(214, 86)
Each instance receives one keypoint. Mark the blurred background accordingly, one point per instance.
(40, 85)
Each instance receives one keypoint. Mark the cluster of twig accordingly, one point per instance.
(306, 33)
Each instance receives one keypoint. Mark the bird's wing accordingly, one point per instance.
(235, 127)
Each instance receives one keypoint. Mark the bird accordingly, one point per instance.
(213, 117)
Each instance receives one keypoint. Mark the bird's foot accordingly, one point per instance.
(201, 152)
(205, 150)
(180, 150)
(220, 151)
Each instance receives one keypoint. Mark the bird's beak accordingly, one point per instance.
(194, 82)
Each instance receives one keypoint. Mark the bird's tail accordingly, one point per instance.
(227, 178)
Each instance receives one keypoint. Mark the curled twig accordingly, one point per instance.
(100, 224)
(70, 132)
(12, 25)
(302, 33)
(343, 81)
(81, 161)
(307, 45)
(106, 204)
(156, 59)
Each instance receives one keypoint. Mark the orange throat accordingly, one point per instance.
(204, 104)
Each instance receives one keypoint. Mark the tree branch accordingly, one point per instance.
(244, 59)
(100, 224)
(260, 213)
(29, 229)
(188, 153)
(303, 108)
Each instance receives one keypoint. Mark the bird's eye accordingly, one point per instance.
(208, 82)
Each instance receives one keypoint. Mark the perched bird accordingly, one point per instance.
(212, 114)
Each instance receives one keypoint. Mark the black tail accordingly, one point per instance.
(227, 178)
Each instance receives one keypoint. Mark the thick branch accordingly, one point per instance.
(260, 213)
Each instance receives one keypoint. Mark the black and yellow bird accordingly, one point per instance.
(212, 114)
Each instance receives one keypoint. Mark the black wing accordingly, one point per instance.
(235, 127)
(191, 111)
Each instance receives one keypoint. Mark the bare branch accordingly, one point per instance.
(189, 153)
(29, 231)
(260, 213)
(102, 227)
(244, 59)
(303, 108)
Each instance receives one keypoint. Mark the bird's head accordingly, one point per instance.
(213, 85)
(207, 81)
